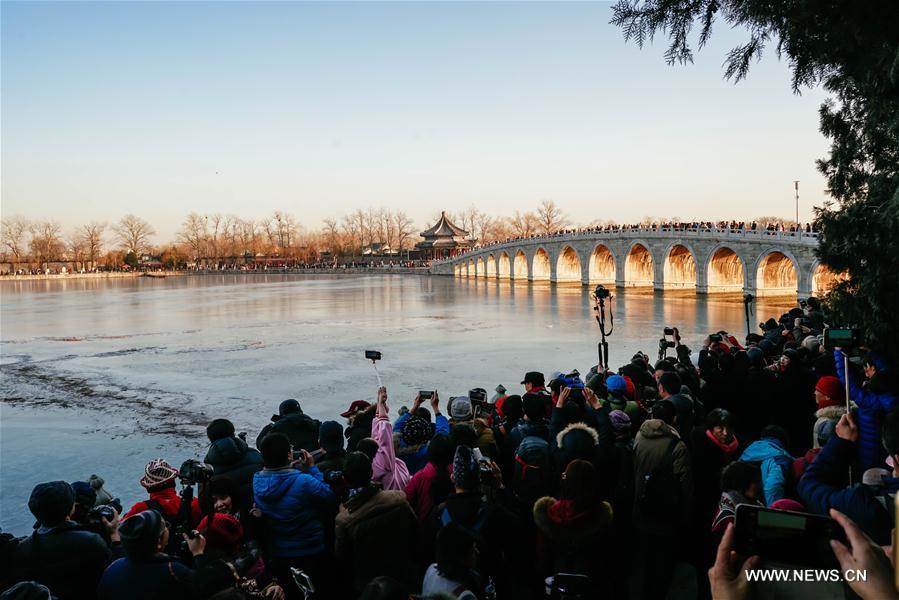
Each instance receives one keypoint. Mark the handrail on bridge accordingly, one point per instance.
(735, 233)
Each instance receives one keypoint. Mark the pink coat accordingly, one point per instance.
(418, 492)
(387, 469)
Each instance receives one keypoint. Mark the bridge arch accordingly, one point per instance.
(823, 279)
(602, 264)
(568, 265)
(479, 267)
(503, 265)
(725, 270)
(639, 265)
(776, 273)
(679, 269)
(490, 269)
(457, 270)
(520, 265)
(471, 268)
(541, 268)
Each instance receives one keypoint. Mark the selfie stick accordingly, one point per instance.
(378, 375)
(846, 377)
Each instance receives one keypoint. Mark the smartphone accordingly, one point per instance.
(786, 537)
(843, 337)
(372, 355)
(425, 394)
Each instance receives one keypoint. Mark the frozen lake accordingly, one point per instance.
(99, 376)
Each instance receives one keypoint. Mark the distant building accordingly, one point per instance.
(443, 240)
(377, 249)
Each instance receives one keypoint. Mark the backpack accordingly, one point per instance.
(532, 477)
(659, 495)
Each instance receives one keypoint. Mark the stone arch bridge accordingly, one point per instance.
(762, 263)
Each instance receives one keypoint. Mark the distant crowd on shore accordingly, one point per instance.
(708, 226)
(616, 484)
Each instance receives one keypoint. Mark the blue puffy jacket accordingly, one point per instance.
(871, 408)
(775, 463)
(819, 492)
(293, 505)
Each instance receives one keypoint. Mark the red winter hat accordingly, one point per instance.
(631, 392)
(222, 532)
(831, 387)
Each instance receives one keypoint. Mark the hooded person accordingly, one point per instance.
(373, 529)
(229, 455)
(300, 429)
(146, 573)
(572, 530)
(58, 554)
(770, 453)
(432, 484)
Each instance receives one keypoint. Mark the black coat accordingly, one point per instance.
(68, 561)
(233, 458)
(300, 429)
(156, 578)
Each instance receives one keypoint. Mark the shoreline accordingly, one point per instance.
(163, 274)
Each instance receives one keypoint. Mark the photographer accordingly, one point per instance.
(229, 455)
(92, 517)
(300, 429)
(146, 573)
(58, 553)
(159, 480)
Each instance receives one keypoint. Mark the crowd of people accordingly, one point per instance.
(616, 484)
(706, 226)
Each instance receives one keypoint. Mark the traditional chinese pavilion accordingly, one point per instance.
(443, 240)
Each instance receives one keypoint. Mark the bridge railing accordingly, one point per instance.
(791, 237)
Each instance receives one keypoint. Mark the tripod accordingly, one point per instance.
(747, 307)
(599, 307)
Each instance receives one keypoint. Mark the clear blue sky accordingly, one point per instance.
(319, 108)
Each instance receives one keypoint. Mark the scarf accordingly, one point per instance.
(728, 449)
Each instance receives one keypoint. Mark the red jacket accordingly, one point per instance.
(170, 503)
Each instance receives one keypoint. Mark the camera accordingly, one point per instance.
(334, 477)
(105, 511)
(715, 337)
(601, 292)
(663, 344)
(372, 355)
(478, 395)
(193, 472)
(425, 394)
(668, 331)
(842, 337)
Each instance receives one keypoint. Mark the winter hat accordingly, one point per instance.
(874, 476)
(756, 356)
(141, 529)
(460, 408)
(85, 495)
(533, 405)
(466, 471)
(330, 436)
(222, 532)
(415, 431)
(500, 392)
(621, 422)
(51, 503)
(97, 483)
(770, 324)
(27, 590)
(598, 386)
(357, 406)
(287, 407)
(767, 346)
(616, 384)
(787, 504)
(158, 473)
(831, 387)
(631, 390)
(811, 344)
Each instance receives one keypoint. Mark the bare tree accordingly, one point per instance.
(216, 224)
(404, 229)
(14, 230)
(46, 244)
(524, 224)
(550, 217)
(194, 234)
(134, 234)
(91, 237)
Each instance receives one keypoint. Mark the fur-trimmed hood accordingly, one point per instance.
(551, 519)
(831, 412)
(560, 437)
